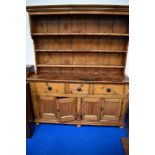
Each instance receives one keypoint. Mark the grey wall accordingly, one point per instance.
(50, 2)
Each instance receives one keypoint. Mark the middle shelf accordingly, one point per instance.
(80, 34)
(82, 51)
(81, 66)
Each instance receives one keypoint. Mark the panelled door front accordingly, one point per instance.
(67, 109)
(111, 109)
(47, 107)
(90, 109)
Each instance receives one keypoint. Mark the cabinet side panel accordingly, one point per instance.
(34, 100)
(125, 102)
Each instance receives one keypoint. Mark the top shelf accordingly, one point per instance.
(80, 34)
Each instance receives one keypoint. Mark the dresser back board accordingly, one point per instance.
(80, 40)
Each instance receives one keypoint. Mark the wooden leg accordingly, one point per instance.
(37, 123)
(78, 125)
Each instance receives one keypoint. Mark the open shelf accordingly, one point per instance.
(80, 43)
(81, 66)
(80, 34)
(106, 51)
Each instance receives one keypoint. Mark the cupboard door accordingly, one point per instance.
(47, 107)
(111, 109)
(67, 109)
(91, 108)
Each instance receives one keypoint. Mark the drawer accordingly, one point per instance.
(49, 87)
(78, 88)
(108, 89)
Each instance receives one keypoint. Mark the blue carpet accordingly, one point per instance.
(52, 139)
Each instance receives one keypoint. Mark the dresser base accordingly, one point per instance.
(79, 123)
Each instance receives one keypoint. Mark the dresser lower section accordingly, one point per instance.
(80, 104)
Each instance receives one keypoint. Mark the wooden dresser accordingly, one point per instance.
(80, 55)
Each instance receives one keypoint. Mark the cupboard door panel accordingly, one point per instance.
(67, 108)
(111, 109)
(47, 107)
(91, 109)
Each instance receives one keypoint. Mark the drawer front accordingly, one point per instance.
(78, 88)
(48, 87)
(108, 89)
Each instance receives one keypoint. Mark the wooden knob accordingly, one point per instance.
(108, 89)
(79, 89)
(49, 88)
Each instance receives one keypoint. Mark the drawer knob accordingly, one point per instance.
(79, 89)
(109, 90)
(49, 88)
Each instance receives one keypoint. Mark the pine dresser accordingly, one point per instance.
(80, 55)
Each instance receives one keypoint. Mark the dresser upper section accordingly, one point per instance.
(80, 40)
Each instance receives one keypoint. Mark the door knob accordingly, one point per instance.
(49, 88)
(79, 89)
(109, 90)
